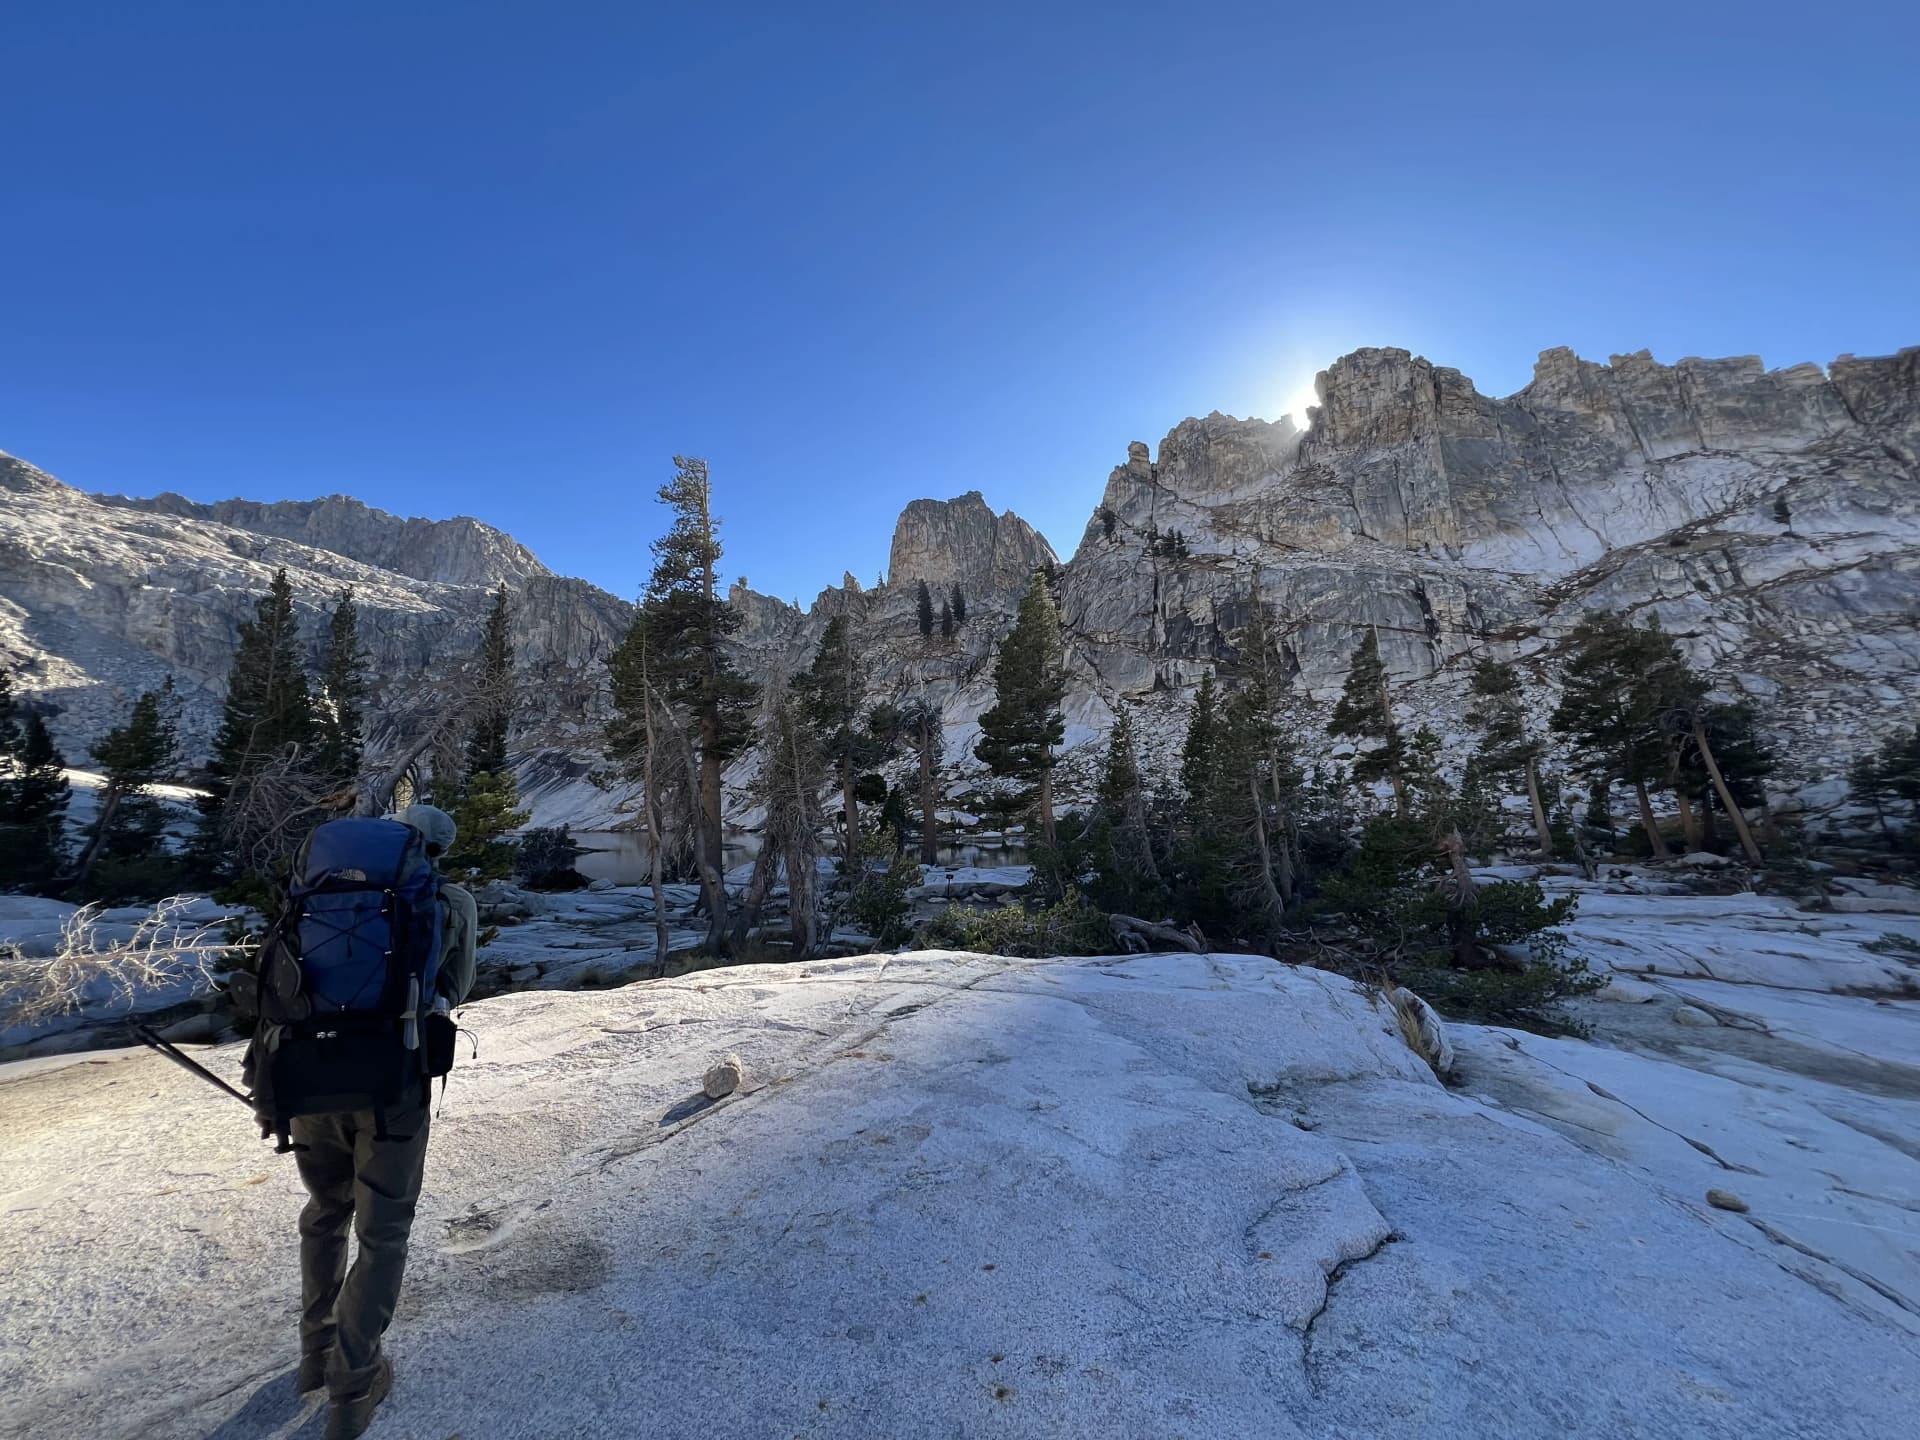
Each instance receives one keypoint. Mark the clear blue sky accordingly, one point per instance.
(506, 259)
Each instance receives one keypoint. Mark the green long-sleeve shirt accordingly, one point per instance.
(457, 947)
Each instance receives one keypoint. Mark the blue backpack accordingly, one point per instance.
(345, 988)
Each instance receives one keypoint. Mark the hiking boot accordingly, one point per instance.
(349, 1416)
(313, 1372)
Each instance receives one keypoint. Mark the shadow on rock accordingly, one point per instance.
(271, 1408)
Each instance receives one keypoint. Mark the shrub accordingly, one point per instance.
(544, 859)
(874, 899)
(1070, 927)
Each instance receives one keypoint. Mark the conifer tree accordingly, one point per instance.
(134, 756)
(487, 803)
(343, 693)
(1248, 822)
(1686, 715)
(946, 621)
(959, 603)
(923, 609)
(268, 709)
(682, 629)
(1122, 809)
(487, 742)
(1506, 748)
(1364, 715)
(1890, 771)
(1200, 751)
(1257, 671)
(1018, 733)
(831, 696)
(33, 797)
(9, 731)
(920, 722)
(1606, 711)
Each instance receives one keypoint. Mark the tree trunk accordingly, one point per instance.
(1269, 892)
(765, 864)
(800, 872)
(712, 845)
(1131, 931)
(1399, 795)
(96, 842)
(1647, 822)
(713, 887)
(1046, 804)
(656, 838)
(851, 809)
(1462, 926)
(929, 833)
(1542, 831)
(1727, 802)
(1689, 822)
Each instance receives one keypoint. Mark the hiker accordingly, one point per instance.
(355, 1026)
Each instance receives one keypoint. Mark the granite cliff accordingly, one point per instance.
(1770, 517)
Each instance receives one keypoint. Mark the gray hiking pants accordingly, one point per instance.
(372, 1185)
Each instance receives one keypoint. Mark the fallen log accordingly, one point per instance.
(1137, 935)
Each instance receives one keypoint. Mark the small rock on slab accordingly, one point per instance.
(1726, 1200)
(1693, 1015)
(724, 1078)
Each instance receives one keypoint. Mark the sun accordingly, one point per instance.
(1299, 397)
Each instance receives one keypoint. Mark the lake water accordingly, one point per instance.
(622, 856)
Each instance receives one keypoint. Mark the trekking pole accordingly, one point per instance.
(173, 1053)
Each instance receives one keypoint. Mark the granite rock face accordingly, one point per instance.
(949, 542)
(102, 598)
(1770, 518)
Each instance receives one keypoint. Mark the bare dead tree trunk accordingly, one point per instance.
(1727, 802)
(1648, 823)
(102, 825)
(765, 865)
(1046, 803)
(1543, 832)
(800, 872)
(656, 822)
(712, 883)
(1270, 897)
(850, 808)
(929, 833)
(1399, 794)
(1136, 934)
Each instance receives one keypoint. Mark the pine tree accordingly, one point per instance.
(921, 722)
(487, 743)
(133, 756)
(1254, 786)
(343, 692)
(1200, 752)
(1121, 819)
(1018, 733)
(923, 609)
(488, 808)
(33, 801)
(682, 630)
(1364, 715)
(1890, 771)
(1687, 715)
(1506, 749)
(9, 731)
(946, 621)
(831, 698)
(791, 772)
(268, 709)
(959, 603)
(1608, 714)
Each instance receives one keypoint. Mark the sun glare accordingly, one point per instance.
(1299, 397)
